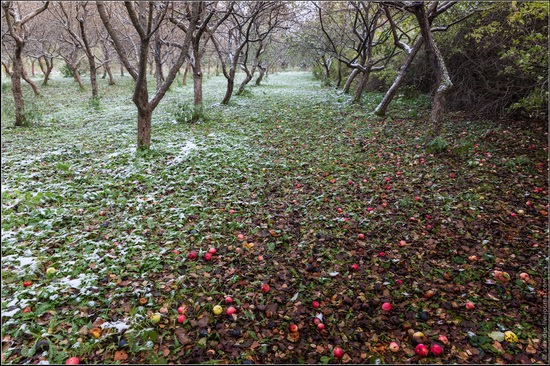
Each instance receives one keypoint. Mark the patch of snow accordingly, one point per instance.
(120, 326)
(9, 314)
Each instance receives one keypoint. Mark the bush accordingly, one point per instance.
(437, 146)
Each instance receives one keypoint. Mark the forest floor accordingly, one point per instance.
(295, 188)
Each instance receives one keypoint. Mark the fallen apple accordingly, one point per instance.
(155, 318)
(418, 337)
(228, 300)
(320, 326)
(402, 243)
(207, 256)
(217, 310)
(436, 349)
(421, 350)
(524, 276)
(337, 352)
(50, 271)
(293, 328)
(265, 287)
(192, 255)
(260, 258)
(429, 294)
(181, 318)
(212, 250)
(443, 339)
(394, 347)
(181, 310)
(386, 306)
(27, 310)
(231, 310)
(355, 267)
(102, 213)
(72, 361)
(315, 304)
(175, 251)
(470, 305)
(95, 332)
(27, 283)
(510, 336)
(361, 236)
(240, 237)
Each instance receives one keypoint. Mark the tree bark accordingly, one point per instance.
(261, 74)
(362, 84)
(184, 81)
(197, 89)
(29, 81)
(46, 68)
(17, 92)
(349, 81)
(390, 94)
(144, 126)
(76, 74)
(443, 80)
(230, 86)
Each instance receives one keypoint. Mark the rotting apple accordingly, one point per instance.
(394, 346)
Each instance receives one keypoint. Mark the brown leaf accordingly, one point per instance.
(121, 356)
(293, 337)
(203, 322)
(182, 337)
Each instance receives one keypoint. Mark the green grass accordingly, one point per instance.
(284, 158)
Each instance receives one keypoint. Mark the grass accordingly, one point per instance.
(300, 172)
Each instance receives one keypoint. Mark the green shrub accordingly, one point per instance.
(437, 145)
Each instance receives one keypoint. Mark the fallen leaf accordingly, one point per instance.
(121, 356)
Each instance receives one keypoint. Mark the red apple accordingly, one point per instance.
(361, 236)
(72, 361)
(27, 283)
(315, 304)
(207, 256)
(27, 310)
(443, 339)
(524, 276)
(355, 267)
(212, 250)
(338, 352)
(421, 350)
(417, 198)
(231, 211)
(265, 287)
(339, 209)
(231, 310)
(192, 255)
(293, 328)
(386, 306)
(436, 349)
(176, 251)
(181, 318)
(350, 182)
(402, 243)
(470, 305)
(320, 326)
(181, 310)
(370, 209)
(102, 213)
(382, 254)
(316, 321)
(260, 258)
(228, 300)
(240, 237)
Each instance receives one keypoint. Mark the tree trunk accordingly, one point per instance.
(184, 82)
(93, 77)
(121, 70)
(390, 94)
(362, 84)
(32, 67)
(109, 72)
(29, 81)
(230, 86)
(46, 67)
(248, 77)
(339, 74)
(197, 91)
(159, 77)
(443, 80)
(144, 126)
(261, 75)
(17, 92)
(349, 81)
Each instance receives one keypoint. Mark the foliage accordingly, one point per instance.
(66, 71)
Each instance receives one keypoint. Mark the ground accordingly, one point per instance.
(295, 188)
